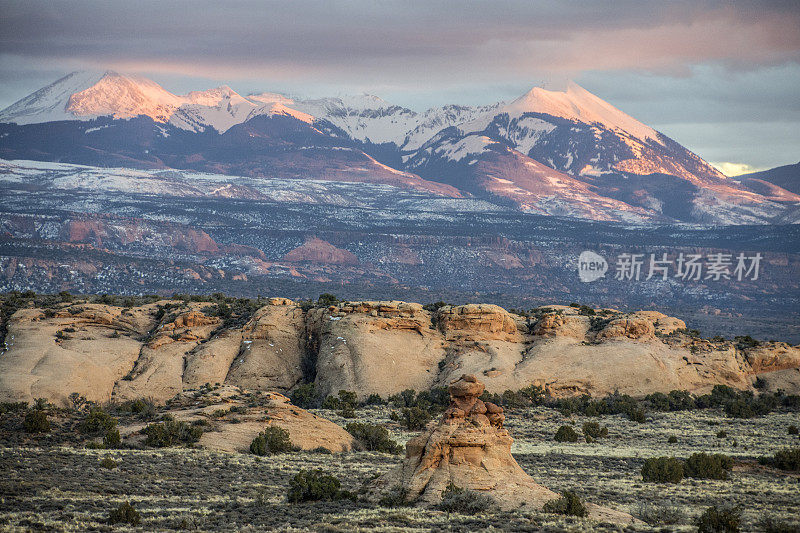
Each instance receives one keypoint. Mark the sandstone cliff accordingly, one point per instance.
(161, 349)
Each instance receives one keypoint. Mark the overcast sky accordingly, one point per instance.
(722, 78)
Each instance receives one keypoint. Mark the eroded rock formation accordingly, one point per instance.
(471, 449)
(161, 349)
(233, 417)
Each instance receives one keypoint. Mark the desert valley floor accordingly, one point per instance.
(52, 485)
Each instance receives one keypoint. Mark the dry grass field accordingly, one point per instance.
(52, 483)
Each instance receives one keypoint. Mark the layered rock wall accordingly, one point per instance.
(382, 347)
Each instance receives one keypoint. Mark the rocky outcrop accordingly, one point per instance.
(470, 449)
(378, 347)
(632, 327)
(233, 417)
(319, 251)
(272, 349)
(559, 325)
(383, 347)
(477, 322)
(770, 357)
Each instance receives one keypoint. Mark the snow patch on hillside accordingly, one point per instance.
(470, 145)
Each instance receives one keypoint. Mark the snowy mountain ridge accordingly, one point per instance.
(86, 95)
(560, 153)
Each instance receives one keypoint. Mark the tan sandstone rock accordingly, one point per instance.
(380, 347)
(374, 347)
(631, 326)
(272, 349)
(470, 449)
(76, 350)
(558, 325)
(477, 322)
(234, 432)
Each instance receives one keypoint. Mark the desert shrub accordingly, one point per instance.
(77, 401)
(791, 402)
(315, 485)
(611, 404)
(12, 407)
(720, 395)
(740, 404)
(345, 401)
(792, 430)
(464, 501)
(716, 520)
(97, 422)
(112, 438)
(786, 459)
(272, 440)
(373, 437)
(327, 299)
(435, 306)
(708, 466)
(681, 400)
(745, 341)
(771, 525)
(348, 411)
(125, 514)
(406, 398)
(41, 404)
(636, 414)
(662, 470)
(36, 421)
(394, 497)
(141, 407)
(415, 418)
(348, 397)
(171, 433)
(566, 434)
(672, 439)
(374, 399)
(660, 515)
(592, 431)
(740, 408)
(108, 463)
(676, 400)
(305, 396)
(321, 449)
(567, 504)
(435, 400)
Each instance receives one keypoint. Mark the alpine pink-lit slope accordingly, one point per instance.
(86, 96)
(50, 103)
(576, 103)
(561, 153)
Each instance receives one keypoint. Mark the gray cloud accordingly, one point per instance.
(667, 63)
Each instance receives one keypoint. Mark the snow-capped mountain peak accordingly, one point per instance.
(270, 98)
(576, 103)
(49, 103)
(123, 96)
(212, 97)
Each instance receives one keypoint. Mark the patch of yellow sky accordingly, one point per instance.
(735, 169)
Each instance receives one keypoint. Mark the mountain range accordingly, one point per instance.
(552, 153)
